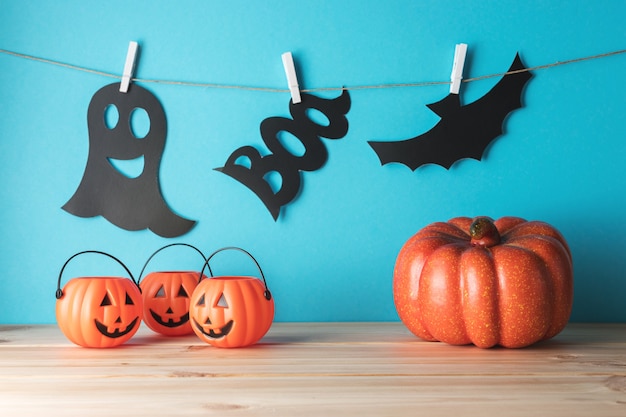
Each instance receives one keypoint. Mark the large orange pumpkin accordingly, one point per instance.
(98, 312)
(231, 311)
(166, 297)
(506, 282)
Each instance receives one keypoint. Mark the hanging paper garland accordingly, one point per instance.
(136, 203)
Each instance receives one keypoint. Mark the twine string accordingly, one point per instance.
(309, 90)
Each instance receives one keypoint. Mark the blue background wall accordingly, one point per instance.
(330, 256)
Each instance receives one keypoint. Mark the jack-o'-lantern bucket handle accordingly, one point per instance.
(167, 246)
(59, 292)
(267, 294)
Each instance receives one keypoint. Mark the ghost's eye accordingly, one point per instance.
(139, 123)
(111, 116)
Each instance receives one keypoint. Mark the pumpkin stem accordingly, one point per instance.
(484, 232)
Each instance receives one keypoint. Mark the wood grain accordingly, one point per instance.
(313, 369)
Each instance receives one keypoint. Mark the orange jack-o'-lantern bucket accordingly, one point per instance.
(166, 297)
(98, 311)
(231, 311)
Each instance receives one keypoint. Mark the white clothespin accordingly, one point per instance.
(129, 66)
(292, 79)
(457, 69)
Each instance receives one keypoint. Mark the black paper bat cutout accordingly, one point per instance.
(463, 131)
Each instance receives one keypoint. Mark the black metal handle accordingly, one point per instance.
(167, 246)
(267, 294)
(59, 292)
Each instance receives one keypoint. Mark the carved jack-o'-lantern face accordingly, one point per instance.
(166, 301)
(231, 311)
(99, 311)
(207, 328)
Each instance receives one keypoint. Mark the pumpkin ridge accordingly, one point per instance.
(249, 293)
(480, 305)
(240, 297)
(75, 306)
(434, 317)
(561, 289)
(506, 224)
(461, 223)
(89, 334)
(539, 229)
(65, 312)
(515, 281)
(553, 240)
(407, 281)
(268, 313)
(449, 232)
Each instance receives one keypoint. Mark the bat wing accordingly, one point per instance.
(463, 131)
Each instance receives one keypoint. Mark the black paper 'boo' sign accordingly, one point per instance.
(247, 166)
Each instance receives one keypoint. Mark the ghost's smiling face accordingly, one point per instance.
(128, 132)
(138, 124)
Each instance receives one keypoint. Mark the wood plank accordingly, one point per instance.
(314, 369)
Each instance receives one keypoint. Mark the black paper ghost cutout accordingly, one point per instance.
(127, 202)
(463, 131)
(281, 160)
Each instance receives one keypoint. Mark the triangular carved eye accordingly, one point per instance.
(160, 293)
(182, 292)
(129, 301)
(106, 301)
(222, 302)
(201, 301)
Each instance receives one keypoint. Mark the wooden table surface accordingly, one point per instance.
(313, 369)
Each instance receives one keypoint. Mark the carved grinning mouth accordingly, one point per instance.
(170, 323)
(211, 333)
(117, 332)
(130, 168)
